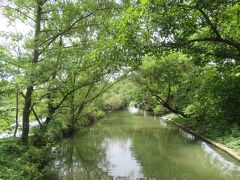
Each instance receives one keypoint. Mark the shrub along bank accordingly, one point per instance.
(22, 162)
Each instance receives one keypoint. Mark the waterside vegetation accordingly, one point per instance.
(79, 60)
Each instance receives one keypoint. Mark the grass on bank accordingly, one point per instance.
(230, 138)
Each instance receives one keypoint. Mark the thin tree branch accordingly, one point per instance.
(18, 10)
(36, 116)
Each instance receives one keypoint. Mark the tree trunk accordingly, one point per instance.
(175, 111)
(51, 110)
(166, 105)
(71, 118)
(78, 111)
(26, 114)
(28, 96)
(16, 120)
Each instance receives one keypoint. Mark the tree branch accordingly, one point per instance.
(18, 10)
(64, 31)
(165, 104)
(52, 39)
(209, 22)
(36, 116)
(68, 93)
(231, 43)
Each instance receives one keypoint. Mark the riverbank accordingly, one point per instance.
(228, 144)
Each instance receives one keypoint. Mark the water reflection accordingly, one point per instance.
(187, 135)
(216, 157)
(135, 147)
(122, 163)
(148, 113)
(133, 109)
(163, 123)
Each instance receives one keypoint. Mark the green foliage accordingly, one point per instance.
(183, 55)
(21, 162)
(117, 97)
(60, 67)
(231, 142)
(166, 79)
(216, 100)
(54, 132)
(207, 33)
(159, 110)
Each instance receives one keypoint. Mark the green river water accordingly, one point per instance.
(126, 146)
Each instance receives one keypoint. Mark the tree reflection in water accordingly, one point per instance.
(136, 147)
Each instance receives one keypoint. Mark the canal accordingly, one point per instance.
(130, 146)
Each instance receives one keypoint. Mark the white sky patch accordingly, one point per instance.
(118, 153)
(16, 27)
(3, 22)
(119, 1)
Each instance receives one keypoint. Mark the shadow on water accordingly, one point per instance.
(131, 146)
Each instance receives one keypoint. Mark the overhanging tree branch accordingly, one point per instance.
(164, 103)
(171, 45)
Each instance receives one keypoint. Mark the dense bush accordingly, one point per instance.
(217, 99)
(21, 162)
(47, 135)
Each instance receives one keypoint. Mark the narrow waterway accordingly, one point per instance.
(131, 146)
